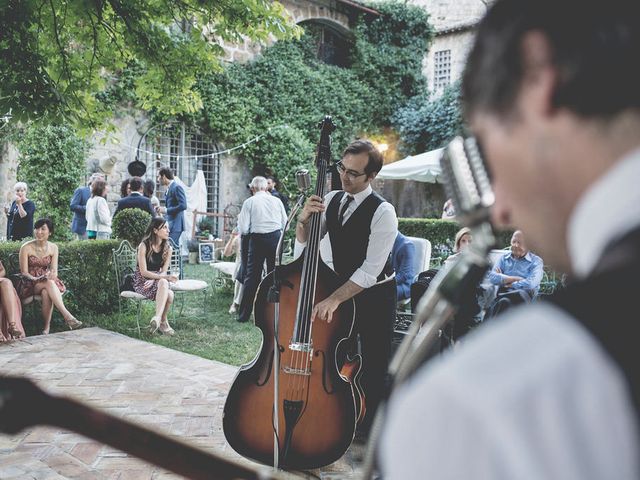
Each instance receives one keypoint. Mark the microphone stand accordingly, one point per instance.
(273, 296)
(434, 310)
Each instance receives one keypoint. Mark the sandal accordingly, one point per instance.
(14, 332)
(166, 329)
(154, 324)
(73, 323)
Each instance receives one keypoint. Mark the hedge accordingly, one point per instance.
(440, 233)
(87, 271)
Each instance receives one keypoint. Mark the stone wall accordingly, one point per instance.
(301, 11)
(8, 168)
(447, 14)
(459, 43)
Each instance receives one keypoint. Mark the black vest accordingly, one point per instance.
(349, 242)
(606, 305)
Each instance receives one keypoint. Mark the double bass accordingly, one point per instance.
(313, 376)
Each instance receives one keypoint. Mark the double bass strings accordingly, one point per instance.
(301, 358)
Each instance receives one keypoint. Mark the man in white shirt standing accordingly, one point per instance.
(262, 218)
(548, 390)
(362, 228)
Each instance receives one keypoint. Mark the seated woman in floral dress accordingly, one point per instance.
(39, 275)
(152, 277)
(10, 309)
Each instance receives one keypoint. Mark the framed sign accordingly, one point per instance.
(206, 252)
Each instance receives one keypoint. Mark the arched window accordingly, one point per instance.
(333, 45)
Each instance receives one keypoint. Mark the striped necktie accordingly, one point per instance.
(344, 209)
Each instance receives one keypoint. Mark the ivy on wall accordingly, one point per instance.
(425, 123)
(287, 85)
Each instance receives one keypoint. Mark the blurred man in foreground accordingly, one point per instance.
(548, 390)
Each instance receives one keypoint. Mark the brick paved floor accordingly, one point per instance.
(176, 393)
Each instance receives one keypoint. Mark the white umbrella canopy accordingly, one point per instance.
(424, 167)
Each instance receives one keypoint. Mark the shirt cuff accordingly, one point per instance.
(298, 248)
(363, 279)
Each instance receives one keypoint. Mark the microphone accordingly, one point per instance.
(467, 181)
(467, 184)
(303, 180)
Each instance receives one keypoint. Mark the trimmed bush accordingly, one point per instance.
(440, 233)
(130, 224)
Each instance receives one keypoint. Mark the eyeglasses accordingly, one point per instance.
(349, 173)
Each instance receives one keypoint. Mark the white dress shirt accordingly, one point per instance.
(532, 395)
(261, 213)
(384, 228)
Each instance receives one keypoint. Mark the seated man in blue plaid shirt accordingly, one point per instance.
(517, 274)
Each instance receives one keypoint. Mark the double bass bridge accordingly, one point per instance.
(297, 371)
(301, 346)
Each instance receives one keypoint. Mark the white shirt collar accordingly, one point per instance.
(608, 210)
(359, 197)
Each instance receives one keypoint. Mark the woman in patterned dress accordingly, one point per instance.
(152, 277)
(10, 309)
(39, 275)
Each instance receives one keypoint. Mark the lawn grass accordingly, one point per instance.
(213, 333)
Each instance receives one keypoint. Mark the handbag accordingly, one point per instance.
(127, 282)
(93, 234)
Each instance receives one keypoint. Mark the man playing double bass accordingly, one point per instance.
(361, 228)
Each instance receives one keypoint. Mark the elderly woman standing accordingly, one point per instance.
(10, 309)
(20, 214)
(39, 272)
(152, 275)
(98, 214)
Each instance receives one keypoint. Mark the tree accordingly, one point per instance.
(426, 123)
(52, 164)
(57, 55)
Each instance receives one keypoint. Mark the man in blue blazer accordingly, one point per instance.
(78, 206)
(175, 204)
(402, 257)
(135, 199)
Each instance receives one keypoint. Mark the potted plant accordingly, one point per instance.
(192, 246)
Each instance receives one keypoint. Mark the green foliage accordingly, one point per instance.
(52, 164)
(425, 124)
(58, 55)
(286, 91)
(388, 55)
(441, 234)
(130, 224)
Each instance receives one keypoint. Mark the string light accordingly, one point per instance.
(159, 156)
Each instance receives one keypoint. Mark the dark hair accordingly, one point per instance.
(166, 172)
(123, 187)
(270, 177)
(150, 236)
(149, 187)
(98, 187)
(593, 48)
(44, 221)
(365, 146)
(135, 184)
